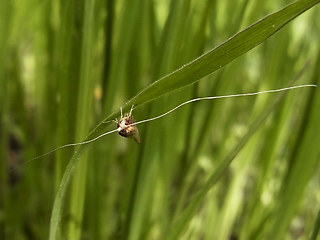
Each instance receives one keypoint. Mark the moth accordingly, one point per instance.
(126, 126)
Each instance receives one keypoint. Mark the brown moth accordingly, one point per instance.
(126, 126)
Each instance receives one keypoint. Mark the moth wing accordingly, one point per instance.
(136, 135)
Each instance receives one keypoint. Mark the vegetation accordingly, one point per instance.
(238, 168)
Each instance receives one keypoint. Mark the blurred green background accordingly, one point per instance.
(66, 65)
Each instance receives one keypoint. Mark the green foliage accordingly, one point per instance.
(244, 168)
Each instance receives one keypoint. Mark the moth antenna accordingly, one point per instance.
(160, 116)
(110, 121)
(223, 96)
(65, 146)
(130, 114)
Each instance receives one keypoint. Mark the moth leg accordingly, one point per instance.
(110, 121)
(130, 114)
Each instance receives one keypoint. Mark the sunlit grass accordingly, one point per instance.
(244, 168)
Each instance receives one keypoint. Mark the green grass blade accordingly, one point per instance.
(85, 99)
(223, 54)
(58, 203)
(66, 57)
(316, 227)
(82, 123)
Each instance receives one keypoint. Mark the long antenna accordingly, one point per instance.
(164, 114)
(65, 146)
(223, 96)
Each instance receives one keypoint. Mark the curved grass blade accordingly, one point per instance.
(316, 227)
(188, 74)
(224, 53)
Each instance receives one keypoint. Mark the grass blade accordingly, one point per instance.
(83, 120)
(223, 54)
(316, 227)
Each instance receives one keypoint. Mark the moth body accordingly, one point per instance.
(127, 128)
